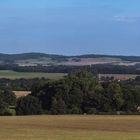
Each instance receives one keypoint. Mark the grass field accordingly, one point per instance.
(27, 75)
(70, 128)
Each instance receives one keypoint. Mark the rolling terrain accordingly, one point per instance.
(35, 59)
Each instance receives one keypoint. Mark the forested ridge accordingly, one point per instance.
(48, 63)
(23, 56)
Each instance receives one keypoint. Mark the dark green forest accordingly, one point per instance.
(95, 69)
(78, 93)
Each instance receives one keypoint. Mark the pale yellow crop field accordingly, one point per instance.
(70, 128)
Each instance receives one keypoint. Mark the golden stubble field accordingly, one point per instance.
(70, 128)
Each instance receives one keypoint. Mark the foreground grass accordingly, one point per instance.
(27, 75)
(70, 128)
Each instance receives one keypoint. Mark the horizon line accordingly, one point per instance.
(37, 52)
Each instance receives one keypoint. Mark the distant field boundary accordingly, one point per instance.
(119, 76)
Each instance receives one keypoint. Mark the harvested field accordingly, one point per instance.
(21, 93)
(70, 128)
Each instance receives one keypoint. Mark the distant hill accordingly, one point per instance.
(33, 59)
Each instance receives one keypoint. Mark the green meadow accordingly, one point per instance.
(28, 75)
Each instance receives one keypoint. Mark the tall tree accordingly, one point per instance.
(115, 96)
(28, 105)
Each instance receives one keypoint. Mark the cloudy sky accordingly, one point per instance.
(70, 26)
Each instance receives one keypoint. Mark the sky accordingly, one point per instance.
(70, 27)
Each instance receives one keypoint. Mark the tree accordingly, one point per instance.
(7, 99)
(94, 101)
(83, 80)
(129, 99)
(58, 106)
(28, 105)
(3, 106)
(115, 96)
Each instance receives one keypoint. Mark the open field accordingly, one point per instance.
(73, 61)
(21, 93)
(70, 128)
(27, 75)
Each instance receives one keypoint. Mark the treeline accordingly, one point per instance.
(78, 93)
(115, 69)
(20, 84)
(25, 56)
(81, 93)
(95, 69)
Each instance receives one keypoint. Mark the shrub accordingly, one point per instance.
(91, 111)
(9, 112)
(75, 110)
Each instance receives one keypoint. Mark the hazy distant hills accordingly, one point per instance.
(33, 59)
